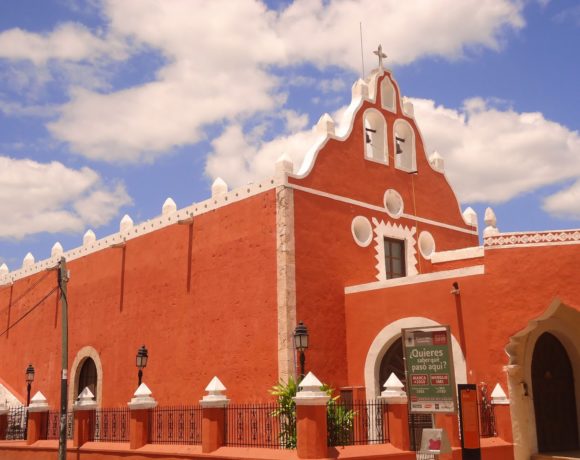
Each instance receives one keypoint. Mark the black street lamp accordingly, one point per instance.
(29, 379)
(141, 361)
(301, 344)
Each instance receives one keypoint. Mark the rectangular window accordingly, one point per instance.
(394, 258)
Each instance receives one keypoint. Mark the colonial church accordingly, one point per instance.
(362, 240)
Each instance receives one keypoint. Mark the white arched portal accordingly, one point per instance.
(563, 322)
(80, 358)
(388, 335)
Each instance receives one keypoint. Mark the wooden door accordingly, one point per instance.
(554, 396)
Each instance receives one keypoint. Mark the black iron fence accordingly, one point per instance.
(110, 425)
(51, 430)
(260, 425)
(357, 422)
(175, 425)
(487, 419)
(17, 422)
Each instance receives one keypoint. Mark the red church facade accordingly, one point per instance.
(366, 239)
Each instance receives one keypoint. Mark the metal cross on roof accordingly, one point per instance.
(381, 55)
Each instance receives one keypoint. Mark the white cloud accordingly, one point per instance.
(218, 56)
(49, 197)
(565, 203)
(494, 155)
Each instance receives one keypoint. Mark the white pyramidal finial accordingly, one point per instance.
(126, 223)
(325, 125)
(360, 89)
(470, 217)
(4, 269)
(311, 392)
(394, 392)
(142, 398)
(489, 217)
(169, 206)
(86, 400)
(89, 238)
(491, 222)
(284, 165)
(436, 160)
(56, 250)
(215, 396)
(219, 187)
(408, 107)
(38, 403)
(28, 260)
(498, 396)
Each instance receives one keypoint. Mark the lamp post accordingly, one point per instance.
(301, 344)
(29, 379)
(141, 361)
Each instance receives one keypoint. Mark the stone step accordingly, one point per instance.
(557, 456)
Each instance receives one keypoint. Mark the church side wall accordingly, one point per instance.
(202, 298)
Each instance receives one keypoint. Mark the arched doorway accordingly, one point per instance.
(393, 361)
(88, 377)
(554, 396)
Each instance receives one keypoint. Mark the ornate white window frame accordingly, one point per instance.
(384, 230)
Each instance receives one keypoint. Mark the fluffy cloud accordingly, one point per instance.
(219, 55)
(565, 203)
(494, 155)
(49, 197)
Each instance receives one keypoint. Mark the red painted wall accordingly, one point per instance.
(202, 312)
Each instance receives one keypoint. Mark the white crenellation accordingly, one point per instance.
(56, 250)
(437, 162)
(219, 187)
(89, 238)
(126, 224)
(470, 217)
(4, 270)
(325, 125)
(360, 89)
(28, 260)
(169, 207)
(146, 227)
(491, 222)
(284, 166)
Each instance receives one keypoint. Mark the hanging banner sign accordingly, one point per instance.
(429, 369)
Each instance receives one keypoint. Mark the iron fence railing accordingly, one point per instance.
(260, 425)
(175, 425)
(487, 419)
(110, 425)
(357, 422)
(51, 430)
(17, 423)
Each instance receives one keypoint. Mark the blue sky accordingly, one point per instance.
(110, 107)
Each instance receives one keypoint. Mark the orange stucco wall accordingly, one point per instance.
(203, 301)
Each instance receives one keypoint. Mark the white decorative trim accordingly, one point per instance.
(387, 336)
(424, 278)
(457, 254)
(380, 209)
(393, 197)
(146, 227)
(357, 222)
(75, 370)
(426, 244)
(387, 230)
(528, 239)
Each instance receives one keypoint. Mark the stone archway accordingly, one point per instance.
(387, 337)
(562, 322)
(81, 357)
